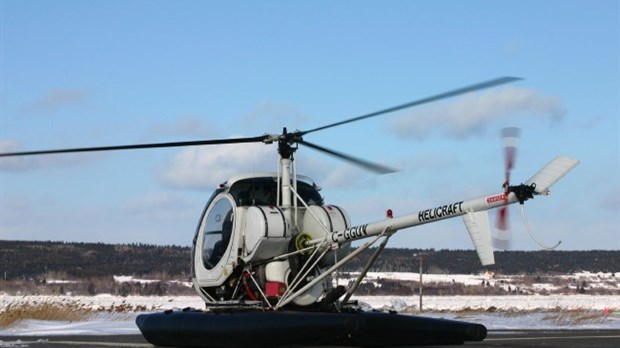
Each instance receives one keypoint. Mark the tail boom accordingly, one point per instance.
(474, 208)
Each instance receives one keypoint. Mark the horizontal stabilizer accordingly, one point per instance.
(551, 173)
(479, 229)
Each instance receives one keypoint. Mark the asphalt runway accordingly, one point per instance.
(508, 339)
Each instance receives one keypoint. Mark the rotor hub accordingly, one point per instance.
(523, 192)
(287, 143)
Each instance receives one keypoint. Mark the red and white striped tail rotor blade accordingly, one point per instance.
(502, 237)
(510, 139)
(502, 240)
(502, 219)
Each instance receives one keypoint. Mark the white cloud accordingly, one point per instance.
(57, 99)
(331, 173)
(474, 112)
(344, 176)
(207, 166)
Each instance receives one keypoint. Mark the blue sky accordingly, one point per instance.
(96, 73)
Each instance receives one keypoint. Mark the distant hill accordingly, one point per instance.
(26, 260)
(20, 259)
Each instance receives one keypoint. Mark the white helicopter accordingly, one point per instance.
(267, 246)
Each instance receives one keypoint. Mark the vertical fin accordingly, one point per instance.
(479, 229)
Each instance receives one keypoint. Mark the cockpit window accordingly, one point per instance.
(217, 232)
(264, 191)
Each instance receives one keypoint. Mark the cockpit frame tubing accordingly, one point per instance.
(265, 300)
(310, 211)
(328, 272)
(205, 294)
(237, 286)
(303, 273)
(369, 264)
(287, 255)
(293, 189)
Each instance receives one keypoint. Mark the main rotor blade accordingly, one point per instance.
(377, 168)
(475, 87)
(140, 146)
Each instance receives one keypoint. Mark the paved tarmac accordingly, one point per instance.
(508, 339)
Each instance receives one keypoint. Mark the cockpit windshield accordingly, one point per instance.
(218, 230)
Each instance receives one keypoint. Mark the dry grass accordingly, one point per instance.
(44, 311)
(556, 316)
(575, 317)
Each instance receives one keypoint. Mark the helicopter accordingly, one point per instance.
(267, 246)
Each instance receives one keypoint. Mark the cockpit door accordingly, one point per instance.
(216, 240)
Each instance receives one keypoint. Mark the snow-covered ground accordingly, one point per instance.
(113, 315)
(525, 284)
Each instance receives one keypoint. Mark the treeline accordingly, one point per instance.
(34, 260)
(24, 260)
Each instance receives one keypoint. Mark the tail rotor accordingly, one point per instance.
(510, 137)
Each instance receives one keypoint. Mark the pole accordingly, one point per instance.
(420, 258)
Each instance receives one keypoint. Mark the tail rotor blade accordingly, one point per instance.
(502, 219)
(502, 240)
(510, 137)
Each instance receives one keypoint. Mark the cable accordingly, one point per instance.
(529, 231)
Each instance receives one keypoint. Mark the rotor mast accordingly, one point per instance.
(287, 175)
